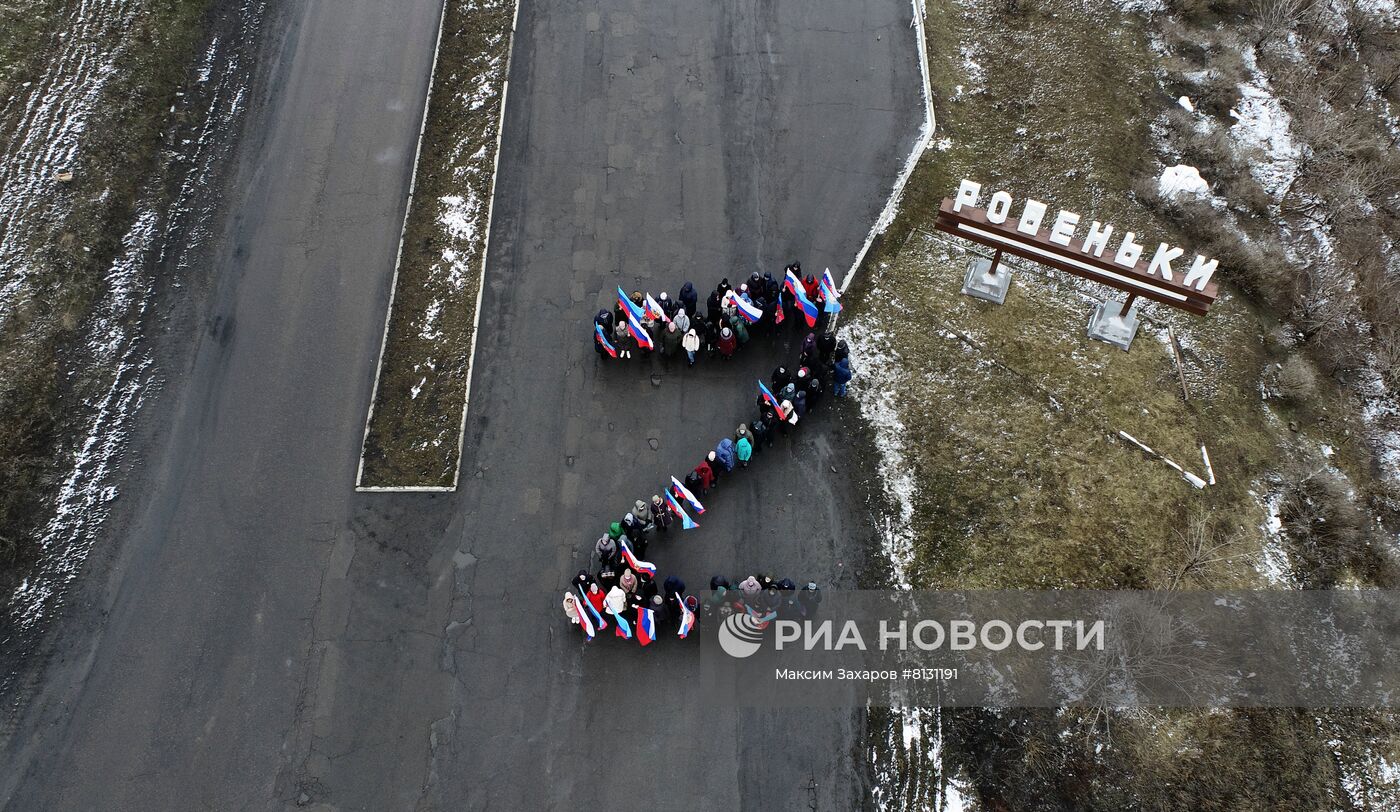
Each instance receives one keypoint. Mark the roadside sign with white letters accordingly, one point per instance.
(1162, 275)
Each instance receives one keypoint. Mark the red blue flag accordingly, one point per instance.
(620, 626)
(830, 292)
(603, 341)
(747, 311)
(639, 332)
(687, 523)
(772, 401)
(637, 564)
(598, 620)
(794, 286)
(684, 493)
(687, 617)
(628, 306)
(646, 625)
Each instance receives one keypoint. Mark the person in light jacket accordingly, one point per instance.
(691, 345)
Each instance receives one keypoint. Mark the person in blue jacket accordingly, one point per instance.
(724, 454)
(840, 376)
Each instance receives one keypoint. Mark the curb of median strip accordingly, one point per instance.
(398, 259)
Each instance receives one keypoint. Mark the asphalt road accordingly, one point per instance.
(271, 637)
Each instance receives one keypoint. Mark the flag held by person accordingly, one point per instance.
(687, 617)
(646, 625)
(687, 523)
(772, 401)
(603, 341)
(747, 311)
(794, 286)
(639, 332)
(581, 615)
(654, 310)
(599, 621)
(684, 493)
(637, 564)
(621, 627)
(830, 292)
(628, 306)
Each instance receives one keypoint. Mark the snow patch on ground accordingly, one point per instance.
(1182, 181)
(112, 336)
(1273, 557)
(875, 382)
(1263, 126)
(47, 137)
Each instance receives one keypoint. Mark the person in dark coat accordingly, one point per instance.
(714, 308)
(727, 343)
(646, 586)
(760, 432)
(689, 299)
(781, 377)
(662, 517)
(809, 598)
(674, 592)
(608, 575)
(604, 319)
(768, 419)
(771, 289)
(809, 347)
(840, 376)
(693, 482)
(814, 391)
(826, 345)
(671, 340)
(582, 581)
(842, 350)
(799, 402)
(669, 306)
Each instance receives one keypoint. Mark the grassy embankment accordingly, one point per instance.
(413, 435)
(78, 236)
(1009, 416)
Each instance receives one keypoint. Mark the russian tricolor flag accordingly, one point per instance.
(654, 310)
(598, 620)
(634, 326)
(747, 311)
(794, 286)
(687, 523)
(584, 621)
(687, 617)
(830, 292)
(684, 493)
(637, 564)
(646, 625)
(603, 340)
(772, 401)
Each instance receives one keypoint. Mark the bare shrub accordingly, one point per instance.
(1325, 528)
(1273, 19)
(1297, 380)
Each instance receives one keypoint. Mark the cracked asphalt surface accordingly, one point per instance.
(267, 638)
